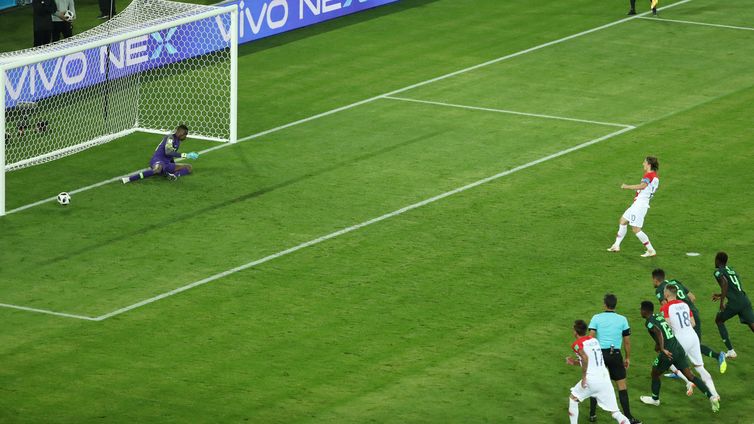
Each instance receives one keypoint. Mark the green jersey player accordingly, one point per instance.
(738, 303)
(684, 294)
(670, 353)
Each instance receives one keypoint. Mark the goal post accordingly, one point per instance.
(153, 66)
(3, 138)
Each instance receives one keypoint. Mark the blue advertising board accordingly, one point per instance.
(262, 18)
(257, 19)
(4, 4)
(86, 68)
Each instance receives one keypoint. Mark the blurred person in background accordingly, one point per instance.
(106, 9)
(62, 22)
(43, 10)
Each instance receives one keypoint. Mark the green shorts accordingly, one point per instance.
(744, 312)
(663, 363)
(698, 327)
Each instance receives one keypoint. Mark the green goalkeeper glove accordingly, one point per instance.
(191, 155)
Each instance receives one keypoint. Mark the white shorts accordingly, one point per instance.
(690, 343)
(635, 215)
(598, 388)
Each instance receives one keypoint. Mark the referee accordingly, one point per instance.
(612, 331)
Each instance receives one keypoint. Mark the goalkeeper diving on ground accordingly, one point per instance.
(163, 159)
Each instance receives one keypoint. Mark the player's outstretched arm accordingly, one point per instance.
(641, 186)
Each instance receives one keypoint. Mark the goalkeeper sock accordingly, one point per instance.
(141, 175)
(181, 172)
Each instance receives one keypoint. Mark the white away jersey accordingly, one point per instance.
(591, 347)
(678, 314)
(643, 196)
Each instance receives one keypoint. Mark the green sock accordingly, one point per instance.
(656, 389)
(703, 387)
(724, 334)
(707, 351)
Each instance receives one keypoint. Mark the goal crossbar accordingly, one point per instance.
(29, 59)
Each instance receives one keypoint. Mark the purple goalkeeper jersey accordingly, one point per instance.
(167, 151)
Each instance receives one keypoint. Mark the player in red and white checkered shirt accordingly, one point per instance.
(635, 214)
(595, 378)
(681, 320)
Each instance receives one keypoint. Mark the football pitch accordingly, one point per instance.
(416, 214)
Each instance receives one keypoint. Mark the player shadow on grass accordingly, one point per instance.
(194, 213)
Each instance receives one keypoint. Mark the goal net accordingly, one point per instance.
(156, 64)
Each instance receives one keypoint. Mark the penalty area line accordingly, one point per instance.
(371, 99)
(360, 225)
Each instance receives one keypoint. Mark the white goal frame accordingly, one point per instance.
(32, 58)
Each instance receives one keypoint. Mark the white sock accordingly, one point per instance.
(617, 416)
(707, 379)
(573, 411)
(644, 239)
(622, 229)
(679, 374)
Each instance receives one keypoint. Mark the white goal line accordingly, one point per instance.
(369, 100)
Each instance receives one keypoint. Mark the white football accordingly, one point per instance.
(64, 198)
(68, 15)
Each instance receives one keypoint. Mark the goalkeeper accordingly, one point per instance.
(163, 159)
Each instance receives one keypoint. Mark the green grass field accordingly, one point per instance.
(458, 310)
